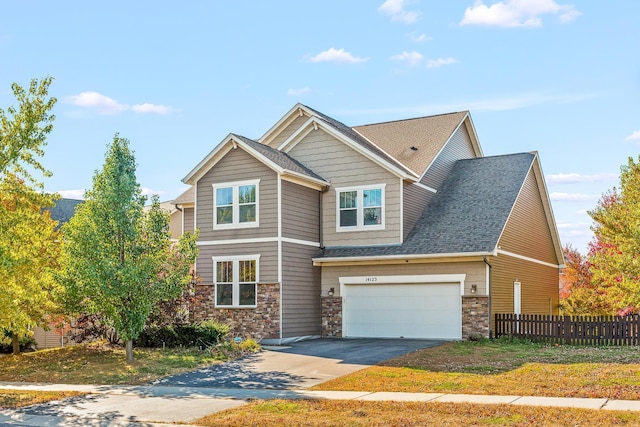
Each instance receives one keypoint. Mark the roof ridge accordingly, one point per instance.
(412, 118)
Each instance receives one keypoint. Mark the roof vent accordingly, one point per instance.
(414, 148)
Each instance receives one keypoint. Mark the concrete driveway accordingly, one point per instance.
(298, 365)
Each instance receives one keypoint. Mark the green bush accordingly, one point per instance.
(198, 334)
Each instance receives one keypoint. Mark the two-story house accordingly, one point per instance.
(396, 229)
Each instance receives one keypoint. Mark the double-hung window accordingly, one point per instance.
(236, 279)
(235, 204)
(360, 208)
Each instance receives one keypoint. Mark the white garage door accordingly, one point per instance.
(409, 310)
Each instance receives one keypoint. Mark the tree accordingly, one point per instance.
(615, 251)
(119, 259)
(28, 241)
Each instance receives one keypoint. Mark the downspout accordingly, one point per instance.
(489, 295)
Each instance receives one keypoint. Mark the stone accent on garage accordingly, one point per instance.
(331, 316)
(475, 316)
(260, 322)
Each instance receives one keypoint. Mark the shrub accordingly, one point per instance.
(204, 334)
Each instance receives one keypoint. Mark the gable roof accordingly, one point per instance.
(188, 196)
(277, 160)
(415, 142)
(466, 216)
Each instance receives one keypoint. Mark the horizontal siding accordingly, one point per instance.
(344, 167)
(414, 200)
(475, 271)
(458, 147)
(175, 224)
(300, 292)
(237, 165)
(267, 267)
(539, 286)
(527, 231)
(288, 130)
(300, 212)
(188, 219)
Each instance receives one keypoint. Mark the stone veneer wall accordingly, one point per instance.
(261, 322)
(475, 316)
(331, 317)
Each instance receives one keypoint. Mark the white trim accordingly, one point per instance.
(425, 187)
(401, 210)
(257, 240)
(414, 278)
(360, 226)
(235, 205)
(235, 259)
(517, 297)
(300, 133)
(488, 278)
(319, 261)
(288, 118)
(526, 258)
(280, 252)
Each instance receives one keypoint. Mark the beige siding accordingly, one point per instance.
(344, 167)
(237, 165)
(288, 131)
(267, 265)
(539, 286)
(188, 219)
(475, 270)
(175, 224)
(414, 200)
(300, 212)
(527, 231)
(458, 147)
(300, 291)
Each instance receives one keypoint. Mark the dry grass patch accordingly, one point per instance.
(512, 368)
(95, 364)
(359, 413)
(18, 398)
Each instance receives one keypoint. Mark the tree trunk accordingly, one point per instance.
(16, 343)
(129, 350)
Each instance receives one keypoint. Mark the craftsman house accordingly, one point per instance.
(396, 229)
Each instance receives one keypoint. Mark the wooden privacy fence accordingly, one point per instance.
(584, 330)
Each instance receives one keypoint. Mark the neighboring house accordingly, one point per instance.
(396, 229)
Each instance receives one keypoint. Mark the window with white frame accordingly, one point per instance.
(235, 204)
(236, 280)
(360, 208)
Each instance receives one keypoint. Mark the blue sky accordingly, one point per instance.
(175, 78)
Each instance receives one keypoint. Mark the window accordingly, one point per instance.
(235, 204)
(360, 208)
(236, 280)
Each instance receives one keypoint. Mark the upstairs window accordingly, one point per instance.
(360, 208)
(235, 204)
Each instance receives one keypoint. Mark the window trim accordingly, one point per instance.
(235, 284)
(235, 205)
(360, 208)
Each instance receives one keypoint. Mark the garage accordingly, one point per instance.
(402, 306)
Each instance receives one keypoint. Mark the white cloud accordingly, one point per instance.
(435, 63)
(298, 92)
(413, 58)
(517, 13)
(396, 10)
(572, 197)
(635, 136)
(105, 105)
(72, 194)
(338, 56)
(149, 192)
(420, 38)
(575, 178)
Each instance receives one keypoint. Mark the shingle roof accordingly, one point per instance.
(279, 158)
(467, 214)
(188, 196)
(427, 134)
(63, 210)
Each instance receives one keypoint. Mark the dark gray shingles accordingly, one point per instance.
(63, 210)
(467, 215)
(279, 158)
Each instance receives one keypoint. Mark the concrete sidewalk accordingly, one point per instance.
(154, 405)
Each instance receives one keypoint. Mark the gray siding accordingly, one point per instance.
(414, 200)
(188, 219)
(300, 212)
(344, 167)
(237, 165)
(267, 265)
(300, 291)
(287, 131)
(458, 147)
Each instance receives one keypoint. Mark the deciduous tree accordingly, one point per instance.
(119, 259)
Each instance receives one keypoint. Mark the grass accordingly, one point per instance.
(505, 368)
(359, 413)
(95, 364)
(17, 398)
